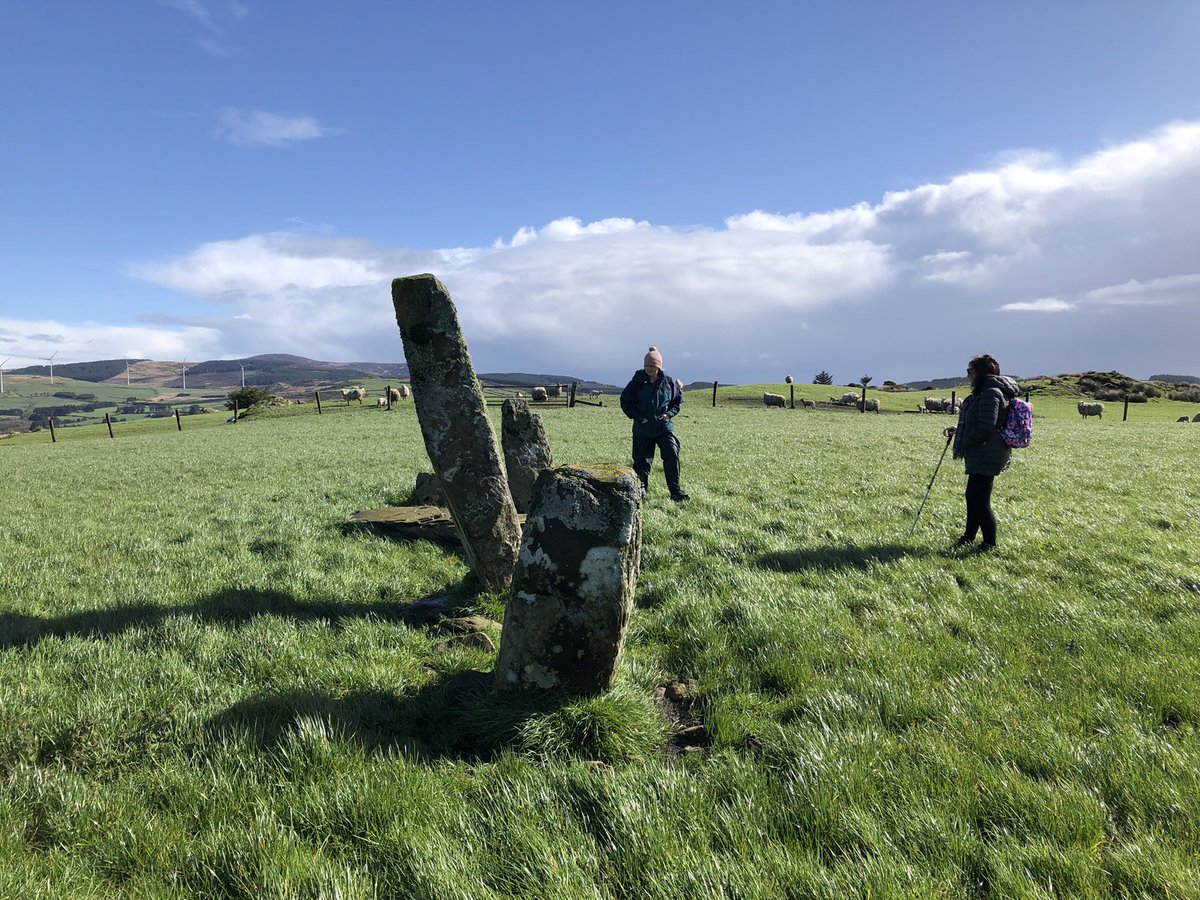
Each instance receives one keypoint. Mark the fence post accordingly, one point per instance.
(388, 391)
(792, 393)
(178, 424)
(953, 400)
(53, 439)
(108, 422)
(235, 411)
(571, 402)
(1125, 415)
(714, 395)
(862, 406)
(318, 396)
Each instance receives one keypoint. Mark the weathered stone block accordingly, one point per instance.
(455, 425)
(573, 587)
(526, 450)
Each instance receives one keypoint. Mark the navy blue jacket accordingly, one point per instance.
(977, 439)
(646, 402)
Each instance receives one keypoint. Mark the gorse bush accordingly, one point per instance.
(246, 397)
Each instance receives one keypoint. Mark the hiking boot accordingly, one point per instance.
(680, 497)
(985, 548)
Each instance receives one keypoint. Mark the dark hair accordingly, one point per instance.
(985, 364)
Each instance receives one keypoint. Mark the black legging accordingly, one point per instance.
(979, 508)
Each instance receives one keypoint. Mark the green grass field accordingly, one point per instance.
(208, 687)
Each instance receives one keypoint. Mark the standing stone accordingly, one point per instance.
(572, 591)
(526, 450)
(454, 423)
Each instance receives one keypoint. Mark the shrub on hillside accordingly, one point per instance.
(247, 397)
(1187, 395)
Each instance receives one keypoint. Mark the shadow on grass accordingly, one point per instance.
(848, 557)
(232, 608)
(458, 716)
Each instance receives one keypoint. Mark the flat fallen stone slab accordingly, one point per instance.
(413, 523)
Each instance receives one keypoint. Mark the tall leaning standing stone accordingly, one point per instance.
(572, 591)
(526, 450)
(454, 422)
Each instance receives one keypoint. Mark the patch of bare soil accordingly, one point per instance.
(676, 701)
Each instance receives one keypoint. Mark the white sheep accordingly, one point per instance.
(555, 390)
(808, 404)
(1090, 409)
(773, 399)
(381, 401)
(1183, 419)
(849, 398)
(354, 393)
(539, 395)
(938, 404)
(872, 404)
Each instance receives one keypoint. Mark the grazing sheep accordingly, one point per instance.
(774, 400)
(555, 390)
(539, 395)
(354, 393)
(850, 398)
(596, 393)
(1196, 417)
(808, 404)
(1090, 409)
(938, 404)
(381, 401)
(1183, 419)
(872, 404)
(518, 396)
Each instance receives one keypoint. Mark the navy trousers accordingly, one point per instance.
(643, 459)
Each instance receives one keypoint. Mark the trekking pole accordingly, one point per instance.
(949, 438)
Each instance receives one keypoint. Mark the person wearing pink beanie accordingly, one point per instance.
(652, 399)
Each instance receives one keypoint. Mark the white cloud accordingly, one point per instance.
(34, 340)
(1046, 304)
(215, 18)
(906, 288)
(1172, 289)
(257, 128)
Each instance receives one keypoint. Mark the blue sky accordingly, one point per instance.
(759, 189)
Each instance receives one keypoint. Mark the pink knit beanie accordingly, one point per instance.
(653, 358)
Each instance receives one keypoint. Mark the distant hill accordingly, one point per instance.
(283, 373)
(1176, 379)
(936, 384)
(97, 371)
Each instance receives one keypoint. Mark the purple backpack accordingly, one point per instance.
(1018, 425)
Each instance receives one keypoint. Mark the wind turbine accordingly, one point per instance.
(243, 368)
(185, 371)
(50, 359)
(127, 371)
(2, 365)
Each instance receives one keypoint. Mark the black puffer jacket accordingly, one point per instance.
(977, 438)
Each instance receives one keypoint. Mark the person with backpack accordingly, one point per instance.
(980, 441)
(652, 399)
